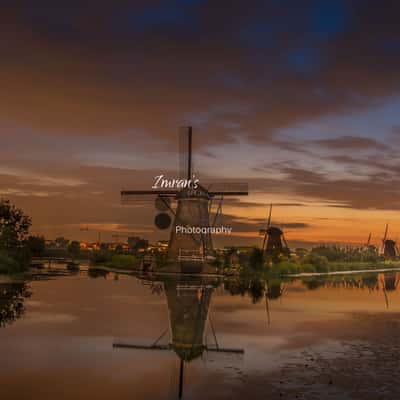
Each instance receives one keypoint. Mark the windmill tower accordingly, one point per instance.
(274, 241)
(389, 248)
(190, 241)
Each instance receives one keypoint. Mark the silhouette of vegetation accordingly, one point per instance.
(14, 229)
(123, 261)
(256, 284)
(74, 249)
(94, 272)
(321, 259)
(335, 253)
(12, 297)
(36, 245)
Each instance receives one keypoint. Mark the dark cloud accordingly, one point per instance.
(256, 224)
(233, 69)
(236, 202)
(374, 191)
(350, 143)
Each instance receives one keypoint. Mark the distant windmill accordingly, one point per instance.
(274, 241)
(192, 210)
(389, 248)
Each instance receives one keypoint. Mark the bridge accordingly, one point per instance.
(51, 260)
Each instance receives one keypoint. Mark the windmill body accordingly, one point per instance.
(274, 242)
(192, 212)
(188, 306)
(389, 247)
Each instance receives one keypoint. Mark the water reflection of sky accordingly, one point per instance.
(61, 346)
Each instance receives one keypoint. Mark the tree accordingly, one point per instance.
(36, 245)
(14, 227)
(74, 249)
(61, 242)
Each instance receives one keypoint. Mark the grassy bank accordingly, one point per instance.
(123, 261)
(294, 268)
(309, 263)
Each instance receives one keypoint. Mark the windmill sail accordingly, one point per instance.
(185, 153)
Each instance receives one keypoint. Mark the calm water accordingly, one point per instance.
(316, 338)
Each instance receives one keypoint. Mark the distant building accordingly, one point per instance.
(162, 245)
(238, 249)
(137, 243)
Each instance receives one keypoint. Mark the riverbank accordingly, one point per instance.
(357, 361)
(341, 272)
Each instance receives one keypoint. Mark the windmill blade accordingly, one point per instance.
(185, 152)
(143, 196)
(219, 211)
(269, 217)
(284, 240)
(181, 371)
(225, 350)
(140, 346)
(213, 332)
(386, 297)
(267, 309)
(160, 337)
(264, 241)
(386, 232)
(369, 239)
(266, 229)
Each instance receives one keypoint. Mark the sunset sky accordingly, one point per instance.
(301, 99)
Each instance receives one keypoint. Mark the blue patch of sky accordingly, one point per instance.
(327, 19)
(258, 35)
(374, 122)
(391, 45)
(304, 60)
(148, 17)
(229, 80)
(303, 52)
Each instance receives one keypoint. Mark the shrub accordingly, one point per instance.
(160, 259)
(256, 260)
(320, 263)
(100, 257)
(308, 268)
(8, 264)
(288, 267)
(123, 261)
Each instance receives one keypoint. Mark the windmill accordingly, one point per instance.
(389, 248)
(193, 207)
(274, 241)
(188, 305)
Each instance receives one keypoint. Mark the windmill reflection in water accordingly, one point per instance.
(188, 299)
